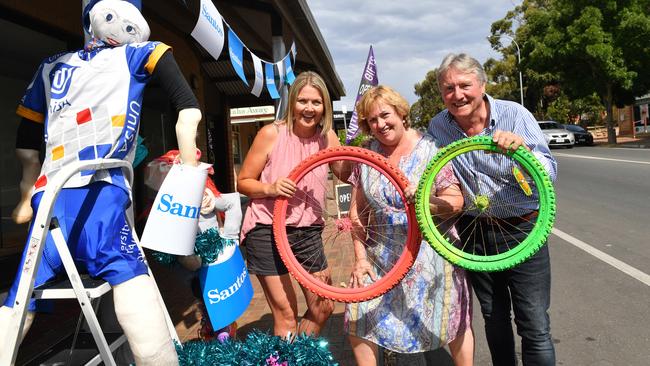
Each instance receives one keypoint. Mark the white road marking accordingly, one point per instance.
(597, 158)
(621, 266)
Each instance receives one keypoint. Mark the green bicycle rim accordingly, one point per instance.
(486, 263)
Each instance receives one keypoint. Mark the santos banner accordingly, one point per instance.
(208, 30)
(227, 288)
(173, 220)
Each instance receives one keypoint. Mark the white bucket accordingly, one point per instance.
(173, 220)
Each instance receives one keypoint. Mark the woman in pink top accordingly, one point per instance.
(276, 150)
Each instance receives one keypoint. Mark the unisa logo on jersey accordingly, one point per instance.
(60, 79)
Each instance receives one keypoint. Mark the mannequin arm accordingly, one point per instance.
(188, 121)
(31, 169)
(170, 78)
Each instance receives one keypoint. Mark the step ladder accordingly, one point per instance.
(45, 223)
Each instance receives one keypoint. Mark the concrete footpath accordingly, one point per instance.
(640, 141)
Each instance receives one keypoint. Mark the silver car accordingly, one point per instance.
(556, 135)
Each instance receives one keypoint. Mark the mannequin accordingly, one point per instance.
(85, 105)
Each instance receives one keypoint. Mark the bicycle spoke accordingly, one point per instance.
(498, 198)
(385, 246)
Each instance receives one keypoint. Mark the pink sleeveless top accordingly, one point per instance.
(305, 207)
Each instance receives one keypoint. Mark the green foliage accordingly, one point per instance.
(560, 110)
(359, 140)
(341, 136)
(429, 103)
(583, 46)
(503, 78)
(587, 111)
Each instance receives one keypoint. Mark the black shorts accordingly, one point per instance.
(262, 255)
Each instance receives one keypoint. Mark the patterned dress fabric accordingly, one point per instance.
(432, 304)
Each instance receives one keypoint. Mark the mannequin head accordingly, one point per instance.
(115, 22)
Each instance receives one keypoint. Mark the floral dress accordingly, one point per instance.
(432, 304)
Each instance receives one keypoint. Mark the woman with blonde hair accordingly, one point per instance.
(276, 150)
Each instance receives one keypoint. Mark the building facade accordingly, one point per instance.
(33, 30)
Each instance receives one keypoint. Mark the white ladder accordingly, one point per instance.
(44, 223)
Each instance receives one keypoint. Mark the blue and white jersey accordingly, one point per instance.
(479, 172)
(90, 103)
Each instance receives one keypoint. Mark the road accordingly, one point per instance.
(600, 254)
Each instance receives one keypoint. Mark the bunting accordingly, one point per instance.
(209, 32)
(290, 77)
(235, 49)
(259, 76)
(270, 82)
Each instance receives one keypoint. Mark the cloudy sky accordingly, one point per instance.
(409, 37)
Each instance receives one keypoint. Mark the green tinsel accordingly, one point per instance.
(164, 258)
(256, 350)
(208, 245)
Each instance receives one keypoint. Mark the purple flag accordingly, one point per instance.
(368, 80)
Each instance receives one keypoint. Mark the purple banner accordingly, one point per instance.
(368, 80)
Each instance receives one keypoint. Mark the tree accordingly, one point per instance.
(585, 111)
(588, 46)
(559, 110)
(503, 82)
(430, 102)
(514, 26)
(500, 84)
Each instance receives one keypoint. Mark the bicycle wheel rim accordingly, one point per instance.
(304, 277)
(486, 263)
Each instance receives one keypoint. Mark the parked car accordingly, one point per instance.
(556, 135)
(581, 135)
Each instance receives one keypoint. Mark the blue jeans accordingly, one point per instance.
(524, 289)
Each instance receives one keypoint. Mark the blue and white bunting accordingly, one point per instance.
(281, 70)
(289, 76)
(209, 31)
(235, 50)
(259, 76)
(293, 51)
(270, 81)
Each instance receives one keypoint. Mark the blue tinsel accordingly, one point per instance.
(208, 245)
(256, 350)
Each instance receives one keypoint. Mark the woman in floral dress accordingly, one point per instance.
(431, 306)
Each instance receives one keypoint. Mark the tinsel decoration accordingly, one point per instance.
(259, 349)
(164, 258)
(208, 245)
